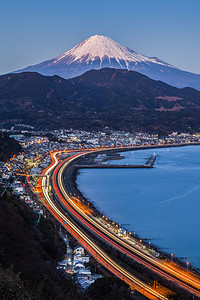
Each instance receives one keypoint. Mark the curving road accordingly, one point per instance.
(168, 270)
(65, 203)
(89, 244)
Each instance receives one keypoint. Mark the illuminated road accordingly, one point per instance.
(90, 245)
(166, 269)
(159, 266)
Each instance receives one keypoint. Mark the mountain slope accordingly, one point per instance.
(119, 99)
(98, 52)
(29, 255)
(8, 147)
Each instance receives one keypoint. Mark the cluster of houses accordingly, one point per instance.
(76, 263)
(36, 144)
(38, 141)
(81, 268)
(18, 189)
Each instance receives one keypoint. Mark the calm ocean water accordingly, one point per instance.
(161, 204)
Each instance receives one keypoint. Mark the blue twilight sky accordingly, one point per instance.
(34, 31)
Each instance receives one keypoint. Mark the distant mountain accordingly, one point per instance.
(98, 52)
(119, 99)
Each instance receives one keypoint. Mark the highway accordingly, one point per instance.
(180, 276)
(89, 244)
(170, 271)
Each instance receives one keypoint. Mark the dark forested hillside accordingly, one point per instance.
(118, 99)
(28, 255)
(8, 147)
(28, 258)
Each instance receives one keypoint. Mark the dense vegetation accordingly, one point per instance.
(8, 147)
(28, 255)
(28, 258)
(110, 289)
(118, 99)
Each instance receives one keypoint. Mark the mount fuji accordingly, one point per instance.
(99, 52)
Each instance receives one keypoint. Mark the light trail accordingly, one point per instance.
(175, 271)
(92, 248)
(189, 278)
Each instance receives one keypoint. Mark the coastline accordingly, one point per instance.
(70, 179)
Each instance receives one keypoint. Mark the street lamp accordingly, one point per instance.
(187, 265)
(171, 256)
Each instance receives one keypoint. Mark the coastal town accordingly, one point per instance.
(35, 158)
(37, 145)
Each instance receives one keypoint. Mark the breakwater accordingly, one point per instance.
(148, 164)
(102, 166)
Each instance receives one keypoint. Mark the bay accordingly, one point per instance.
(160, 204)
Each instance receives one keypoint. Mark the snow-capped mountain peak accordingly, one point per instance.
(102, 47)
(100, 51)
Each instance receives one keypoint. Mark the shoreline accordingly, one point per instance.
(70, 181)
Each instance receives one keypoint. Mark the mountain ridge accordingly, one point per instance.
(118, 99)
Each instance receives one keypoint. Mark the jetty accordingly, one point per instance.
(151, 160)
(103, 166)
(147, 165)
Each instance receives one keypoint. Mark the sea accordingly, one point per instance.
(161, 205)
